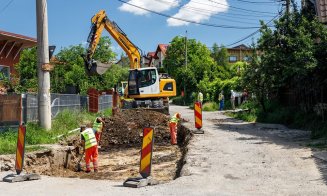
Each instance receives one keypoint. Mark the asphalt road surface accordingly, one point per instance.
(231, 158)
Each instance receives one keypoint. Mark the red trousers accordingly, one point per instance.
(98, 137)
(173, 133)
(91, 154)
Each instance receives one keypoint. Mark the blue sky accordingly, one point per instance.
(69, 20)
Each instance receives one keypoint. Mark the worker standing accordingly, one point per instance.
(173, 128)
(221, 98)
(98, 125)
(200, 98)
(90, 145)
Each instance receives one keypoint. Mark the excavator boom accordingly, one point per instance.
(99, 22)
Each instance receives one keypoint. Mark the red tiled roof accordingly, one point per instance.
(163, 48)
(151, 54)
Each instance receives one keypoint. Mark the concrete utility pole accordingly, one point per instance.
(44, 99)
(186, 48)
(288, 2)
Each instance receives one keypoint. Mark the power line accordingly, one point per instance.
(6, 6)
(252, 34)
(189, 21)
(247, 10)
(257, 2)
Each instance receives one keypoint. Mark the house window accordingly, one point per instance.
(232, 58)
(4, 72)
(247, 58)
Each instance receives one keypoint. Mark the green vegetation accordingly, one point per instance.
(210, 106)
(64, 122)
(69, 70)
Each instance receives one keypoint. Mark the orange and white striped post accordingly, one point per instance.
(198, 114)
(20, 151)
(146, 153)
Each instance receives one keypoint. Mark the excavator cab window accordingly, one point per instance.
(133, 88)
(147, 77)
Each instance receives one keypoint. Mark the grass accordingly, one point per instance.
(210, 106)
(35, 135)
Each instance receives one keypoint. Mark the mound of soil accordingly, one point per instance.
(126, 127)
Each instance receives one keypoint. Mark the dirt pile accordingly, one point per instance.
(126, 128)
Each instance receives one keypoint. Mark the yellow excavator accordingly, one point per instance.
(145, 85)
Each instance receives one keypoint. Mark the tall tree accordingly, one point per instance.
(198, 58)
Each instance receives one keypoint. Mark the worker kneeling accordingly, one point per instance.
(173, 128)
(90, 148)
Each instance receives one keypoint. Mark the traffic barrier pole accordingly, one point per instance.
(146, 153)
(198, 114)
(20, 151)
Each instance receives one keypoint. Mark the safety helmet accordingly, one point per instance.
(178, 115)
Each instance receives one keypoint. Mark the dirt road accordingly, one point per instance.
(231, 158)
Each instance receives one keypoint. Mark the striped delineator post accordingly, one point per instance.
(198, 115)
(146, 153)
(20, 151)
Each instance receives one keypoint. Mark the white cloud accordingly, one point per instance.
(154, 5)
(198, 11)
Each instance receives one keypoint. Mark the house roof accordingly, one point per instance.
(162, 48)
(25, 40)
(242, 46)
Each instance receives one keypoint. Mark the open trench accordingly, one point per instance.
(116, 162)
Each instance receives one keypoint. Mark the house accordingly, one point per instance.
(156, 58)
(239, 53)
(11, 45)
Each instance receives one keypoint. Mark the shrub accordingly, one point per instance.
(210, 106)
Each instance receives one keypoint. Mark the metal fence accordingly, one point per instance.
(60, 102)
(105, 102)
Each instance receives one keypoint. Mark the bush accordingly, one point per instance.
(210, 106)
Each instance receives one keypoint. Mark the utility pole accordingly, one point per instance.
(44, 99)
(186, 48)
(288, 2)
(185, 63)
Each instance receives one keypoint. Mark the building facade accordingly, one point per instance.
(239, 53)
(11, 45)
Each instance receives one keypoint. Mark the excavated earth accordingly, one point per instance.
(119, 156)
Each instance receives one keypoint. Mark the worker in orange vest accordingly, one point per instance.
(90, 145)
(173, 128)
(98, 125)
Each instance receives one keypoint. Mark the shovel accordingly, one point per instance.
(79, 166)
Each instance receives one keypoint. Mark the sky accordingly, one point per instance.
(147, 23)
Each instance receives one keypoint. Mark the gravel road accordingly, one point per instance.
(231, 158)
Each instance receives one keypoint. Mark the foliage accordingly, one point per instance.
(220, 55)
(199, 63)
(210, 106)
(27, 71)
(69, 70)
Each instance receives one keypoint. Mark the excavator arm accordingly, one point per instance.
(100, 21)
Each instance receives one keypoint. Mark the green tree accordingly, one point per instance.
(199, 63)
(27, 71)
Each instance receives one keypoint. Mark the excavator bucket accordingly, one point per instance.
(97, 68)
